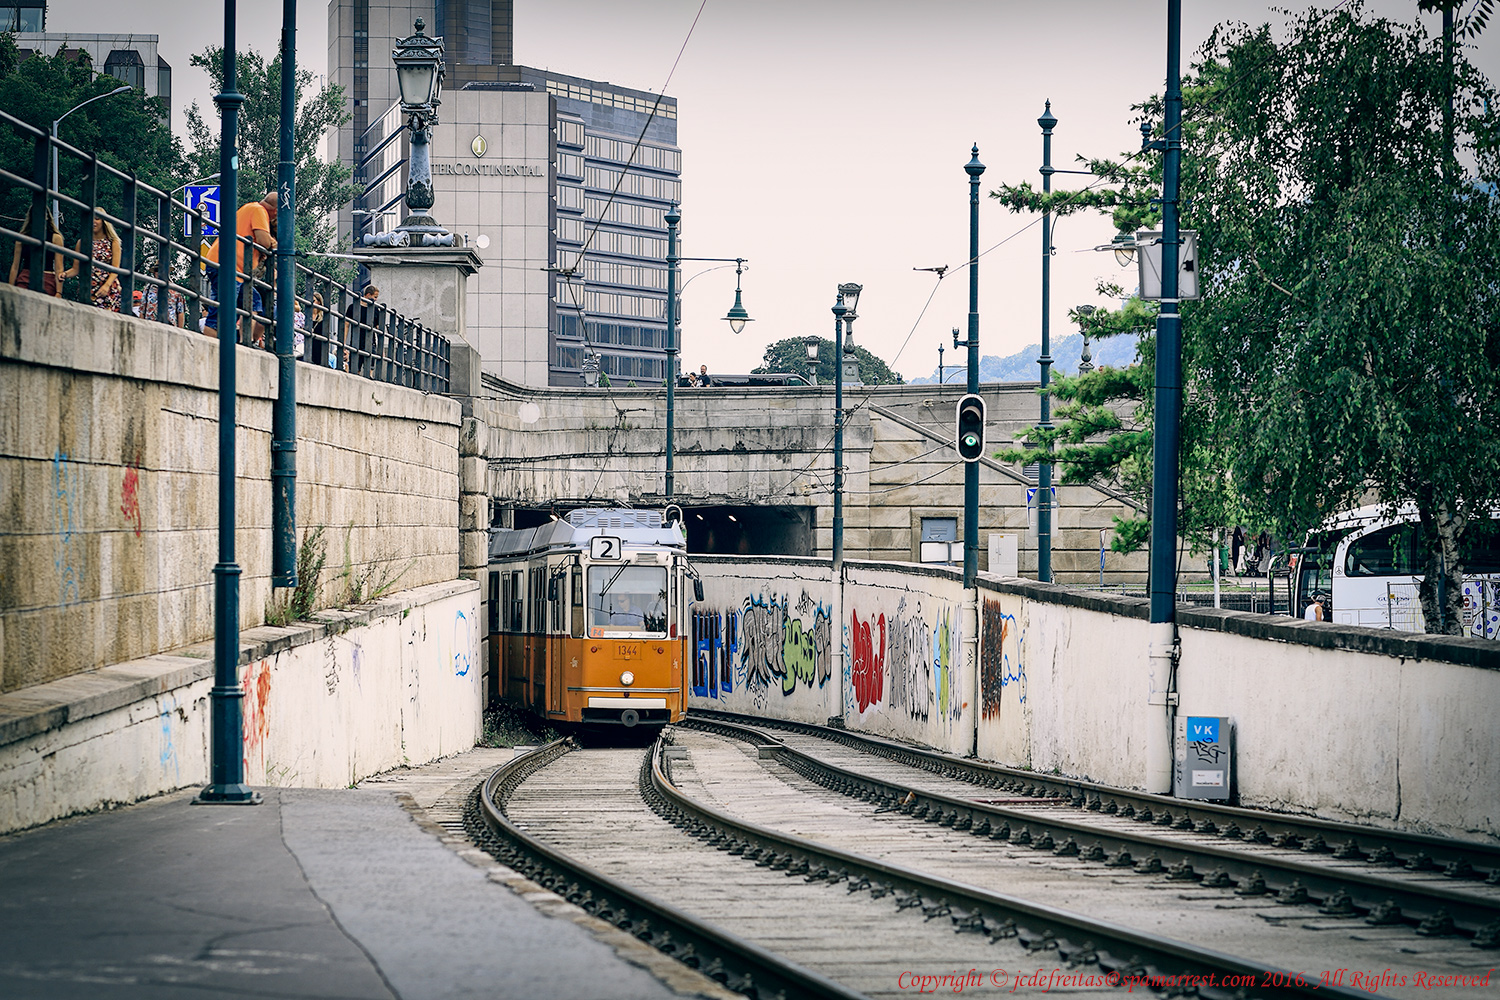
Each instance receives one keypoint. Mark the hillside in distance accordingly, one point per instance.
(1022, 367)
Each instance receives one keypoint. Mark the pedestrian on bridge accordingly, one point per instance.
(253, 223)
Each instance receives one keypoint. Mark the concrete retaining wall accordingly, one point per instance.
(1346, 723)
(109, 476)
(326, 704)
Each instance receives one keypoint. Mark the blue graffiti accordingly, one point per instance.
(461, 642)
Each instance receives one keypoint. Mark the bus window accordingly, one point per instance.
(1314, 576)
(1388, 552)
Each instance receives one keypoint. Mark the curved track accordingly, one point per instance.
(848, 917)
(1436, 885)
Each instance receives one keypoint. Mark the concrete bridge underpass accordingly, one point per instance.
(753, 470)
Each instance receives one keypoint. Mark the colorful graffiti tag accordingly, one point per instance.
(908, 662)
(867, 649)
(1000, 664)
(767, 644)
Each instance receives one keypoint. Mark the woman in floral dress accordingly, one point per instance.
(106, 250)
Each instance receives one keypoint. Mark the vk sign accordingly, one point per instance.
(1202, 729)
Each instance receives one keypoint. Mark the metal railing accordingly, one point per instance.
(342, 330)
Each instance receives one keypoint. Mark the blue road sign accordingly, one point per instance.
(204, 198)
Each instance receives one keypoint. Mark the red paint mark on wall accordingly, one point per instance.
(130, 501)
(257, 685)
(868, 673)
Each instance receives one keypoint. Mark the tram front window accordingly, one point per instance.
(628, 599)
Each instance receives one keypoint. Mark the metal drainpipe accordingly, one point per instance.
(1162, 653)
(284, 416)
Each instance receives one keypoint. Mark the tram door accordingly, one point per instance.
(557, 603)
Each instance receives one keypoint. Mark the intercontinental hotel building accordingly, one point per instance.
(541, 171)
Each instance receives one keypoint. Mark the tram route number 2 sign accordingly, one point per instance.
(604, 547)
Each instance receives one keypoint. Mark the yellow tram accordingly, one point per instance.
(590, 617)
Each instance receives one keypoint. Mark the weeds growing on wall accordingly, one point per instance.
(284, 608)
(374, 581)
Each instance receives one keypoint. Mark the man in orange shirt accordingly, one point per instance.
(253, 222)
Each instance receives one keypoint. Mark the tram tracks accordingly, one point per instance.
(828, 909)
(1361, 876)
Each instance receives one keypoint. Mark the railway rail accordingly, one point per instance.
(567, 819)
(1438, 886)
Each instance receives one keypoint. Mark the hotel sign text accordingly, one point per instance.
(488, 170)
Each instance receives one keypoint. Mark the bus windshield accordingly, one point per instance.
(629, 599)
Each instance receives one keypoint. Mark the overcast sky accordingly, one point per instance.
(825, 140)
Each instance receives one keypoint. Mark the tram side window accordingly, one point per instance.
(494, 610)
(537, 620)
(559, 601)
(577, 601)
(1387, 552)
(517, 601)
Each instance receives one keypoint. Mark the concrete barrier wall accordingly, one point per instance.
(1346, 723)
(911, 675)
(763, 638)
(326, 704)
(109, 470)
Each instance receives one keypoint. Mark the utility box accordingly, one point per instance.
(1203, 765)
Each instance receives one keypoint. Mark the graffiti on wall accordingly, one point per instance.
(1000, 666)
(767, 644)
(908, 663)
(867, 651)
(257, 685)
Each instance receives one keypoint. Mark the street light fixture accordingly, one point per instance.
(848, 360)
(812, 344)
(1085, 359)
(737, 317)
(1124, 247)
(419, 73)
(56, 212)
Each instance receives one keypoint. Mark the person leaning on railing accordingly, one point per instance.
(105, 249)
(20, 276)
(252, 223)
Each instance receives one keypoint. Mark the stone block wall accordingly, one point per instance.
(109, 477)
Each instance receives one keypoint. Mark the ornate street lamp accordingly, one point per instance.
(737, 317)
(811, 343)
(1085, 359)
(849, 362)
(419, 72)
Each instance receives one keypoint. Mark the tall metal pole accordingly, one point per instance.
(838, 439)
(673, 217)
(1168, 407)
(284, 416)
(227, 771)
(1044, 474)
(971, 469)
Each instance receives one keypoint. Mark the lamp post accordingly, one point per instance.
(226, 768)
(419, 72)
(1044, 474)
(284, 416)
(811, 343)
(1085, 359)
(56, 212)
(971, 469)
(940, 359)
(736, 318)
(839, 312)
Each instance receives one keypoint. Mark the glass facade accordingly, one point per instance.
(23, 17)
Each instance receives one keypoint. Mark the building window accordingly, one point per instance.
(127, 66)
(940, 542)
(22, 17)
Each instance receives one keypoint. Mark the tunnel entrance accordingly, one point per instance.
(719, 529)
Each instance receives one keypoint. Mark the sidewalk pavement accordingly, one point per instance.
(316, 893)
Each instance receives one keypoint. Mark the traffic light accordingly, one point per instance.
(970, 436)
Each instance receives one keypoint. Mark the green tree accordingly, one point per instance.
(1348, 341)
(322, 186)
(128, 132)
(790, 355)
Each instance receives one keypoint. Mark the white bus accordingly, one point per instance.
(1367, 567)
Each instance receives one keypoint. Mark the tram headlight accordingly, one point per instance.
(627, 678)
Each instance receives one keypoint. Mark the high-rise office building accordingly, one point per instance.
(565, 180)
(131, 58)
